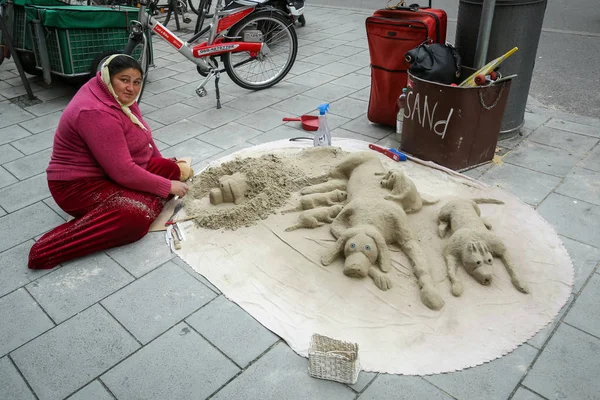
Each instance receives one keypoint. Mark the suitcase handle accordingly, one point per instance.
(402, 6)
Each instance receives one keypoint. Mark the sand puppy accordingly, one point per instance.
(472, 244)
(368, 223)
(314, 200)
(316, 217)
(404, 191)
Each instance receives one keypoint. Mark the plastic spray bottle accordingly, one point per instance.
(322, 135)
(400, 116)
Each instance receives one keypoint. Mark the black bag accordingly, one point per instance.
(434, 62)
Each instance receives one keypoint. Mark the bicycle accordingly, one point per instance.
(257, 45)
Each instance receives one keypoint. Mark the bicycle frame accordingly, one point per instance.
(215, 45)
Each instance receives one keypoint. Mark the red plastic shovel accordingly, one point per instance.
(309, 122)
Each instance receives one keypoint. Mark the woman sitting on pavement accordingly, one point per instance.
(105, 169)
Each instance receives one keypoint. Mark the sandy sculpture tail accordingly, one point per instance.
(294, 227)
(480, 200)
(428, 202)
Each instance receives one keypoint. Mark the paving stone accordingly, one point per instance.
(388, 387)
(230, 135)
(281, 374)
(346, 51)
(285, 89)
(572, 218)
(352, 108)
(171, 114)
(585, 258)
(250, 103)
(391, 140)
(183, 265)
(6, 178)
(523, 393)
(364, 378)
(592, 161)
(144, 255)
(157, 74)
(568, 367)
(298, 105)
(354, 80)
(572, 143)
(35, 143)
(31, 221)
(24, 193)
(362, 94)
(301, 67)
(179, 131)
(194, 148)
(265, 119)
(183, 67)
(30, 165)
(582, 184)
(14, 272)
(40, 124)
(329, 43)
(18, 90)
(329, 92)
(93, 391)
(305, 52)
(56, 92)
(585, 314)
(12, 385)
(11, 133)
(542, 336)
(178, 365)
(153, 303)
(361, 59)
(493, 380)
(530, 186)
(279, 133)
(337, 68)
(243, 344)
(343, 133)
(312, 79)
(78, 285)
(362, 125)
(334, 121)
(542, 158)
(22, 320)
(9, 153)
(165, 84)
(216, 118)
(81, 349)
(165, 99)
(52, 204)
(49, 106)
(574, 127)
(533, 121)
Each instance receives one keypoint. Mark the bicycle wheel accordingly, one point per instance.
(202, 11)
(263, 71)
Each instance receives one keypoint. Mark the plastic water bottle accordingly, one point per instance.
(322, 135)
(400, 116)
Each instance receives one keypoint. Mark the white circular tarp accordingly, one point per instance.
(277, 277)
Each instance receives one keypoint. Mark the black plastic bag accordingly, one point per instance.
(434, 62)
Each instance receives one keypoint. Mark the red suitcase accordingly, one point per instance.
(391, 33)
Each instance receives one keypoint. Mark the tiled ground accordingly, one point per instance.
(137, 323)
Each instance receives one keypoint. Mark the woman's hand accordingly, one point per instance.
(178, 188)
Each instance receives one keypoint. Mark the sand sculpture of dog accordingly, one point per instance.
(368, 223)
(316, 217)
(314, 200)
(404, 191)
(472, 244)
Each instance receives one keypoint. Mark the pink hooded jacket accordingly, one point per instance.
(95, 139)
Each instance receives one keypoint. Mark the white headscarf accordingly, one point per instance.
(105, 75)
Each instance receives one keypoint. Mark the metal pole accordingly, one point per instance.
(485, 28)
(16, 59)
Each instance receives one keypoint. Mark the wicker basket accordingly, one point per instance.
(333, 359)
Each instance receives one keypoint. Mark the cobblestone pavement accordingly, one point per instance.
(137, 322)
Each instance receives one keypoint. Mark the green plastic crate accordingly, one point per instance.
(21, 23)
(76, 35)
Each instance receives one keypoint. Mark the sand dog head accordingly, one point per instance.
(477, 261)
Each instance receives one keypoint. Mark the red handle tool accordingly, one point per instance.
(385, 151)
